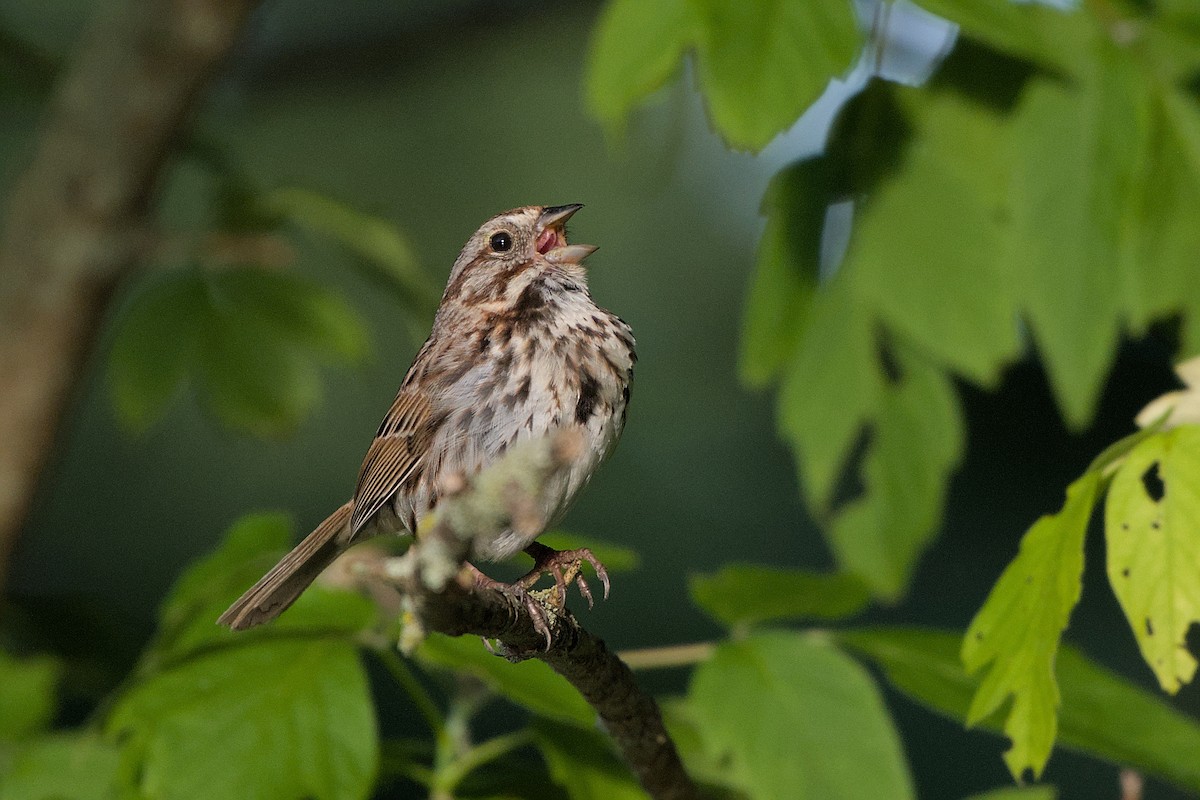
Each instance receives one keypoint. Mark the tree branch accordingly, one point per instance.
(77, 215)
(441, 596)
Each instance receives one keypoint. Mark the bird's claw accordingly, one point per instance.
(565, 567)
(522, 596)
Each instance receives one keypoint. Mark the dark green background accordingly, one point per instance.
(436, 116)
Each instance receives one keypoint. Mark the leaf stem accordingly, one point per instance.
(396, 759)
(676, 655)
(466, 763)
(408, 681)
(454, 741)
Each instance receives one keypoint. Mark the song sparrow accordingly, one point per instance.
(518, 349)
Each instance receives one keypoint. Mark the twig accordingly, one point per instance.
(441, 596)
(76, 216)
(218, 249)
(675, 655)
(1131, 784)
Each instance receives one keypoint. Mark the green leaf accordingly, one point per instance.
(298, 311)
(27, 694)
(838, 353)
(281, 719)
(252, 337)
(1154, 548)
(742, 594)
(785, 278)
(636, 48)
(918, 443)
(187, 619)
(531, 684)
(583, 763)
(710, 772)
(763, 62)
(513, 776)
(379, 247)
(252, 541)
(1072, 207)
(1032, 31)
(63, 767)
(614, 557)
(1102, 714)
(922, 663)
(154, 347)
(1114, 455)
(949, 296)
(1182, 12)
(936, 158)
(1167, 236)
(1016, 633)
(253, 380)
(798, 719)
(1018, 793)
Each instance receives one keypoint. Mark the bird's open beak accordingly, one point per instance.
(557, 216)
(552, 236)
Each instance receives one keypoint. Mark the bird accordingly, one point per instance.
(518, 350)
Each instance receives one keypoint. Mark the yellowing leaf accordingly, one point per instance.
(1015, 635)
(1152, 526)
(1103, 715)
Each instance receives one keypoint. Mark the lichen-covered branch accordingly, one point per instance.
(440, 596)
(76, 219)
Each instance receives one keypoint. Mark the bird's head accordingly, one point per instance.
(513, 249)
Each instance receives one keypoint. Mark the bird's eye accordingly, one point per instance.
(501, 242)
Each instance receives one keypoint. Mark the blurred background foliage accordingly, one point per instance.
(927, 318)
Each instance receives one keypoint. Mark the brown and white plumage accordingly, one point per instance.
(518, 349)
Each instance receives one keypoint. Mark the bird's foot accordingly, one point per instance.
(531, 601)
(565, 566)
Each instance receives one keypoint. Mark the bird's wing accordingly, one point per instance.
(397, 450)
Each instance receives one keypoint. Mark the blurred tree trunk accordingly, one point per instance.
(80, 214)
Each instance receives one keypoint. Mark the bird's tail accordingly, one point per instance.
(279, 588)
